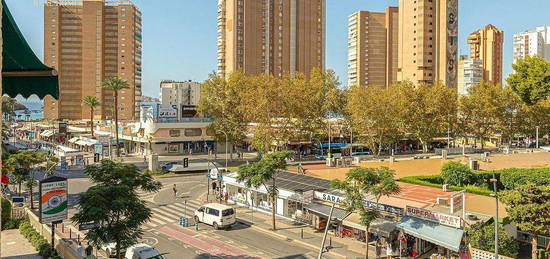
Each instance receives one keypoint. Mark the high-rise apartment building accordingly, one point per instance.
(470, 73)
(428, 41)
(486, 45)
(88, 41)
(271, 36)
(372, 48)
(532, 43)
(183, 95)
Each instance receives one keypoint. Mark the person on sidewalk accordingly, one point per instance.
(378, 249)
(175, 191)
(389, 250)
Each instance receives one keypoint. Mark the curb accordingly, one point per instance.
(281, 236)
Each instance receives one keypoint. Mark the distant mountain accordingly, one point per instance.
(145, 98)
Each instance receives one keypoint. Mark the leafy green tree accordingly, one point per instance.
(512, 117)
(91, 102)
(264, 173)
(376, 114)
(222, 100)
(533, 116)
(22, 166)
(429, 110)
(113, 203)
(359, 185)
(480, 111)
(531, 79)
(529, 207)
(8, 107)
(115, 84)
(456, 173)
(482, 236)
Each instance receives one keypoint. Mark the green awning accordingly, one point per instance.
(22, 72)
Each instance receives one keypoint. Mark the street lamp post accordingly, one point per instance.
(494, 181)
(537, 136)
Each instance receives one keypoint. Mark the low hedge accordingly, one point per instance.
(507, 179)
(513, 177)
(42, 245)
(437, 182)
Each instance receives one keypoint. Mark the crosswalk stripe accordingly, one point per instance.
(173, 215)
(159, 214)
(183, 206)
(179, 209)
(157, 221)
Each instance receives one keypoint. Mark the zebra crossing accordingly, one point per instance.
(171, 213)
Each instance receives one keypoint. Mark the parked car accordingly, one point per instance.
(142, 251)
(217, 215)
(110, 249)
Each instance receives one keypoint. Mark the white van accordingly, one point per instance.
(142, 251)
(217, 215)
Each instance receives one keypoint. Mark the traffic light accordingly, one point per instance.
(213, 185)
(186, 162)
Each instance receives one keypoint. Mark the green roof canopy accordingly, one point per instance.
(22, 72)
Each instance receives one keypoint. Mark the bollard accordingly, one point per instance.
(70, 233)
(330, 241)
(302, 233)
(62, 228)
(78, 239)
(196, 226)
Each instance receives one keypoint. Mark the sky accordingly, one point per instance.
(179, 36)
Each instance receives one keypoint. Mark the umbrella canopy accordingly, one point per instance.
(22, 72)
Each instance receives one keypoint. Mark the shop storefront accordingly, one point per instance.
(430, 232)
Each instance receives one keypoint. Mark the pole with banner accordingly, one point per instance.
(53, 202)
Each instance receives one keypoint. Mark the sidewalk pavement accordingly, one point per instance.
(16, 246)
(287, 229)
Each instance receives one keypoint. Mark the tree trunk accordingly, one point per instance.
(116, 124)
(30, 190)
(273, 202)
(424, 146)
(534, 247)
(482, 143)
(367, 241)
(92, 121)
(19, 188)
(117, 249)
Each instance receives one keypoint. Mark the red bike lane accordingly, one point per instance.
(207, 244)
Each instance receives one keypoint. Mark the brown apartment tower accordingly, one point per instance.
(428, 41)
(88, 41)
(372, 48)
(486, 45)
(271, 36)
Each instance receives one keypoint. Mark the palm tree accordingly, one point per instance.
(92, 102)
(360, 183)
(115, 84)
(264, 173)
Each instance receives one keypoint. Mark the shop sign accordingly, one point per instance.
(457, 202)
(434, 216)
(167, 112)
(383, 207)
(53, 199)
(328, 197)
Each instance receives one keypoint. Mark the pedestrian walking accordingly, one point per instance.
(378, 249)
(175, 191)
(389, 250)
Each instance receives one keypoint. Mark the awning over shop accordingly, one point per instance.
(46, 133)
(432, 232)
(379, 226)
(83, 143)
(73, 140)
(338, 214)
(22, 72)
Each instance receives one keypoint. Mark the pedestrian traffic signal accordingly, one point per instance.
(186, 162)
(213, 185)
